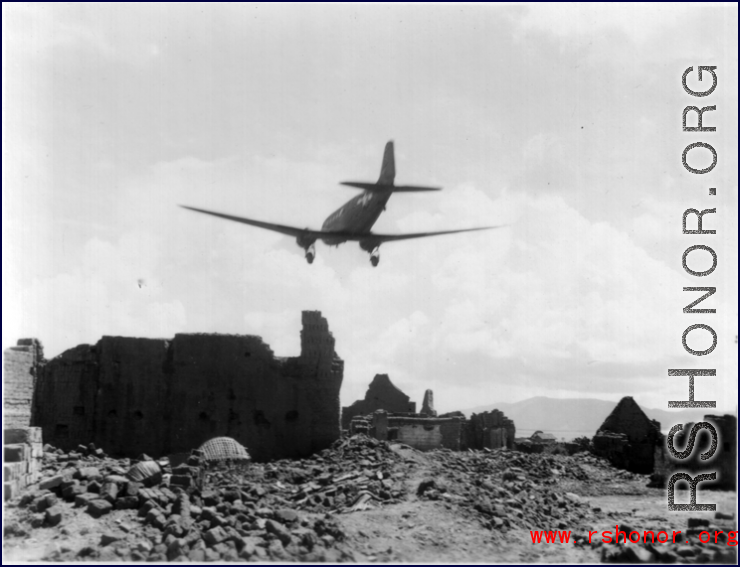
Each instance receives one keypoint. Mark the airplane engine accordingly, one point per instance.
(308, 245)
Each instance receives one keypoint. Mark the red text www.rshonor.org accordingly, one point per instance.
(647, 536)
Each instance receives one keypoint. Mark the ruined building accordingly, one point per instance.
(628, 438)
(387, 414)
(157, 396)
(491, 430)
(380, 395)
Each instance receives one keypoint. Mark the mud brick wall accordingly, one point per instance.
(20, 367)
(131, 395)
(426, 434)
(490, 429)
(382, 394)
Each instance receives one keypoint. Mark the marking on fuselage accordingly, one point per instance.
(365, 199)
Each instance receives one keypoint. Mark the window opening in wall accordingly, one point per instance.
(292, 415)
(61, 430)
(138, 415)
(203, 415)
(112, 413)
(260, 420)
(726, 446)
(78, 410)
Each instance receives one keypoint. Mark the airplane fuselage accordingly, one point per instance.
(358, 215)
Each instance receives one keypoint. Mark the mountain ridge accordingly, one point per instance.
(568, 418)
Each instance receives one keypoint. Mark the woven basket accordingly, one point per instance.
(223, 449)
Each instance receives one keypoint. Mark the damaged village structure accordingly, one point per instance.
(164, 397)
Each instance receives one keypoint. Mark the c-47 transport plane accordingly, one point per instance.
(354, 219)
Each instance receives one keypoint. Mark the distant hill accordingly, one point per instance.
(570, 418)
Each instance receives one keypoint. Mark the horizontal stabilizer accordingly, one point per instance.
(378, 188)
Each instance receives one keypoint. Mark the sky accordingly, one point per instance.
(560, 122)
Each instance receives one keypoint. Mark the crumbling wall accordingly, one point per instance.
(428, 433)
(427, 406)
(20, 368)
(159, 396)
(22, 455)
(628, 438)
(490, 429)
(420, 432)
(382, 394)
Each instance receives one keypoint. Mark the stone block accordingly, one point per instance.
(88, 473)
(16, 453)
(127, 503)
(109, 491)
(183, 480)
(84, 499)
(280, 531)
(10, 490)
(54, 515)
(215, 535)
(13, 471)
(22, 435)
(71, 493)
(111, 537)
(98, 508)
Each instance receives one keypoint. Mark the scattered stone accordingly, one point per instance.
(215, 535)
(51, 482)
(111, 537)
(282, 533)
(88, 473)
(84, 499)
(97, 508)
(54, 515)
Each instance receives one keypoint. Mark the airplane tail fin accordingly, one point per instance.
(387, 176)
(388, 169)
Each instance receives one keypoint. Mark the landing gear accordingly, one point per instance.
(375, 256)
(310, 253)
(307, 243)
(373, 248)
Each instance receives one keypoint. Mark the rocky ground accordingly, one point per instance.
(359, 501)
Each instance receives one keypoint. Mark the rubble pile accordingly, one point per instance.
(292, 510)
(511, 490)
(198, 511)
(353, 474)
(679, 552)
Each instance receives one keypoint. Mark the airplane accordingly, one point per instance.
(353, 220)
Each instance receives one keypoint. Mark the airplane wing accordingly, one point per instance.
(293, 231)
(283, 229)
(393, 237)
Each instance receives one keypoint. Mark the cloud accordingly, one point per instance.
(638, 21)
(115, 290)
